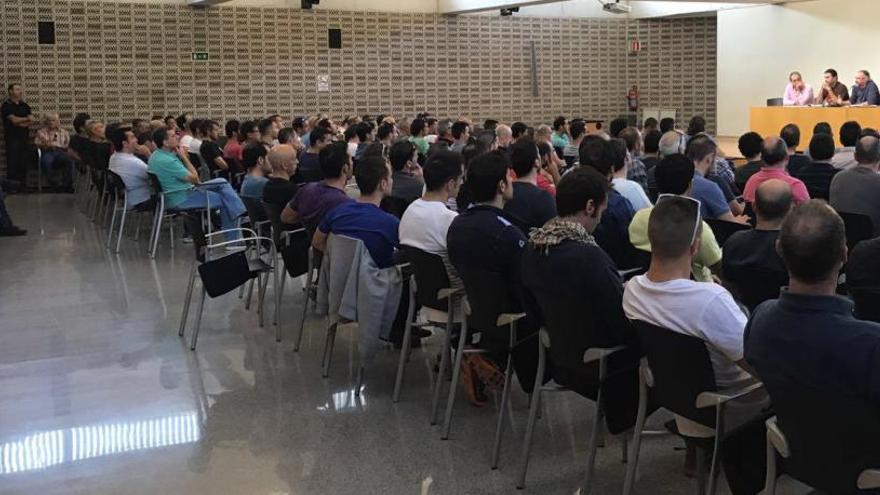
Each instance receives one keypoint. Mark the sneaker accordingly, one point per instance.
(473, 388)
(12, 232)
(488, 372)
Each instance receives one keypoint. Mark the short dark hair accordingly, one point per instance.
(80, 120)
(195, 125)
(593, 152)
(484, 173)
(145, 137)
(849, 133)
(812, 241)
(384, 131)
(298, 123)
(369, 172)
(325, 123)
(247, 127)
(577, 188)
(674, 174)
(523, 154)
(696, 125)
(181, 121)
(666, 125)
(205, 126)
(558, 122)
(823, 128)
(458, 129)
(442, 167)
(333, 159)
(417, 126)
(490, 124)
(317, 135)
(631, 137)
(517, 129)
(117, 136)
(791, 134)
(617, 125)
(265, 125)
(869, 131)
(251, 154)
(671, 226)
(617, 153)
(232, 127)
(363, 130)
(159, 136)
(9, 88)
(831, 71)
(868, 150)
(699, 147)
(577, 128)
(775, 154)
(401, 152)
(650, 123)
(773, 207)
(285, 134)
(822, 147)
(652, 141)
(350, 133)
(485, 139)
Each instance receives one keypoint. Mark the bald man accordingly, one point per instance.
(505, 136)
(774, 154)
(857, 189)
(279, 189)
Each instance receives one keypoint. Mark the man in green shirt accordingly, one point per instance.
(560, 138)
(178, 178)
(417, 131)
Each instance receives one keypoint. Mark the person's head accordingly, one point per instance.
(582, 196)
(594, 152)
(183, 121)
(195, 127)
(146, 139)
(667, 124)
(320, 137)
(285, 135)
(560, 125)
(402, 154)
(791, 134)
(849, 133)
(417, 127)
(750, 144)
(830, 77)
(95, 130)
(267, 129)
(442, 172)
(524, 158)
(254, 155)
(773, 200)
(486, 139)
(335, 162)
(364, 132)
(504, 134)
(546, 153)
(650, 124)
(862, 78)
(519, 129)
(231, 128)
(51, 121)
(812, 243)
(165, 139)
(490, 124)
(461, 131)
(278, 120)
(140, 126)
(299, 125)
(577, 129)
(868, 151)
(282, 159)
(652, 141)
(123, 139)
(616, 126)
(618, 155)
(822, 147)
(702, 150)
(249, 132)
(633, 139)
(430, 125)
(210, 129)
(79, 122)
(674, 174)
(487, 177)
(171, 123)
(373, 176)
(674, 229)
(774, 152)
(671, 143)
(869, 131)
(823, 128)
(386, 132)
(543, 133)
(796, 79)
(696, 126)
(350, 134)
(15, 91)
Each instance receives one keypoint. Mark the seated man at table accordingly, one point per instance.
(864, 92)
(833, 92)
(178, 178)
(774, 153)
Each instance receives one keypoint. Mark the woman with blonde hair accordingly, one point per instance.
(53, 142)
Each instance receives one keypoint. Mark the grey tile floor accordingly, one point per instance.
(98, 395)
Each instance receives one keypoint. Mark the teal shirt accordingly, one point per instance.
(559, 140)
(172, 174)
(421, 144)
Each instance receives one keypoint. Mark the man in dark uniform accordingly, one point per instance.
(17, 118)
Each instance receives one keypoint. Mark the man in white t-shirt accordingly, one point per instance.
(629, 189)
(426, 220)
(131, 169)
(666, 297)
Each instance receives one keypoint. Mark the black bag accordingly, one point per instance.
(296, 254)
(225, 274)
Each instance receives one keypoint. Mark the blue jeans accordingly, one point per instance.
(220, 195)
(52, 159)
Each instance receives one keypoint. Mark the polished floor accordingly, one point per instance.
(98, 394)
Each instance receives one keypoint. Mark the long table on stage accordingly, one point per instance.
(768, 121)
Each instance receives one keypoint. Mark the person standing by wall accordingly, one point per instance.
(17, 118)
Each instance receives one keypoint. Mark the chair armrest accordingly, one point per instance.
(624, 273)
(505, 319)
(869, 479)
(598, 353)
(777, 438)
(240, 229)
(285, 234)
(713, 399)
(241, 240)
(444, 293)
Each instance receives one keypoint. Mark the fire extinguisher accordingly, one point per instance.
(632, 99)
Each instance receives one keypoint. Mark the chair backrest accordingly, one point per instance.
(724, 229)
(273, 212)
(155, 185)
(867, 301)
(488, 295)
(775, 102)
(831, 438)
(115, 183)
(681, 369)
(255, 210)
(394, 205)
(431, 277)
(858, 228)
(752, 286)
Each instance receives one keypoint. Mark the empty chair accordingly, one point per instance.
(867, 302)
(826, 440)
(858, 228)
(752, 286)
(724, 229)
(775, 102)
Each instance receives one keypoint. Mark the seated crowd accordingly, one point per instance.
(557, 216)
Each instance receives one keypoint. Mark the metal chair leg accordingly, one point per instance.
(597, 431)
(277, 294)
(453, 387)
(328, 350)
(404, 349)
(112, 225)
(250, 293)
(122, 229)
(505, 397)
(360, 382)
(302, 322)
(261, 309)
(715, 467)
(186, 301)
(636, 444)
(195, 334)
(444, 363)
(534, 408)
(770, 480)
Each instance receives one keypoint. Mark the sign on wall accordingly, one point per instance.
(324, 83)
(200, 56)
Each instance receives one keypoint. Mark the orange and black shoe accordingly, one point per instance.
(488, 372)
(473, 387)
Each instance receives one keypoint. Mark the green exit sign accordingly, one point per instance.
(200, 56)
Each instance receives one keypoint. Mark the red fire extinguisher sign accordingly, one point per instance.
(635, 46)
(632, 99)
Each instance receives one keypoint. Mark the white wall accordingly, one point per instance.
(759, 46)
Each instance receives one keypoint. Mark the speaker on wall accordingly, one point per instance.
(335, 38)
(46, 33)
(307, 4)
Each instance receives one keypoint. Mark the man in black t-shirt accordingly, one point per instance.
(279, 190)
(530, 207)
(211, 152)
(17, 118)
